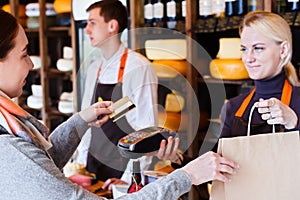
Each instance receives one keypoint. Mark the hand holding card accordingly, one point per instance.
(121, 107)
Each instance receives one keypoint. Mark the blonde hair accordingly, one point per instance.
(276, 28)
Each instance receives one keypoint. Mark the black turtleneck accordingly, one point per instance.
(265, 89)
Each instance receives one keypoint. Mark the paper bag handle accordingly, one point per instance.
(250, 117)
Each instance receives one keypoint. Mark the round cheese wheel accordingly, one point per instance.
(228, 69)
(179, 66)
(62, 6)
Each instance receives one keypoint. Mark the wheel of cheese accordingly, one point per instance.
(62, 6)
(179, 66)
(228, 69)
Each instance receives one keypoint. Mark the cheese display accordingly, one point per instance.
(62, 6)
(228, 69)
(166, 49)
(230, 48)
(170, 68)
(174, 102)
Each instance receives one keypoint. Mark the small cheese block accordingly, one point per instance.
(37, 62)
(64, 64)
(66, 107)
(35, 102)
(230, 48)
(62, 6)
(166, 49)
(165, 67)
(174, 102)
(37, 90)
(228, 69)
(66, 96)
(67, 52)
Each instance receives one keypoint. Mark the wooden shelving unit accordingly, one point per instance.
(49, 74)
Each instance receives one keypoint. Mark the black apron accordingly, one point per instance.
(104, 159)
(239, 125)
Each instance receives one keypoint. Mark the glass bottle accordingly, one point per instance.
(173, 13)
(219, 8)
(229, 7)
(240, 7)
(252, 5)
(136, 178)
(280, 6)
(205, 9)
(292, 5)
(148, 12)
(183, 9)
(158, 13)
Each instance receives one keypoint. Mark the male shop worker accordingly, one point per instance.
(117, 73)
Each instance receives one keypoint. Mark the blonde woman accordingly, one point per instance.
(266, 45)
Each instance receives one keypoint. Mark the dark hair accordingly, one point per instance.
(112, 9)
(9, 29)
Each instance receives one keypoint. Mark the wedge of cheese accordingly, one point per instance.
(174, 102)
(166, 49)
(230, 48)
(165, 68)
(228, 69)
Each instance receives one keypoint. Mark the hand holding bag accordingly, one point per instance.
(269, 167)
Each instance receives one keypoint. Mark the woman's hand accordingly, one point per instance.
(168, 151)
(210, 166)
(276, 112)
(97, 114)
(112, 181)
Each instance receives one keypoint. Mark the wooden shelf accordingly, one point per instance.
(48, 42)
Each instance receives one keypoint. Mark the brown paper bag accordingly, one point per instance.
(269, 167)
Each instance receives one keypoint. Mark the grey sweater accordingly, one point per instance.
(27, 172)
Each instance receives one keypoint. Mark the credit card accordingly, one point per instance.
(121, 108)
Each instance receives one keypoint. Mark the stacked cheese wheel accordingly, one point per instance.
(33, 13)
(169, 61)
(228, 64)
